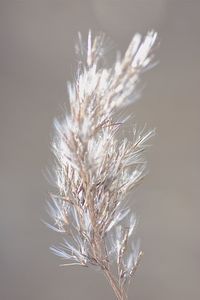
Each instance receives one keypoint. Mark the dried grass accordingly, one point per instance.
(94, 170)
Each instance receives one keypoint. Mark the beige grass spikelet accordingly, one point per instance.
(94, 170)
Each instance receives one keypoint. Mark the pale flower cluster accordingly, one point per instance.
(94, 170)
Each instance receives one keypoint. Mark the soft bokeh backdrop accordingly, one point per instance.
(36, 59)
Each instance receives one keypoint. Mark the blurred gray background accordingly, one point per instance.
(36, 59)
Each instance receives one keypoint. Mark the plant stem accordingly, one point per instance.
(119, 293)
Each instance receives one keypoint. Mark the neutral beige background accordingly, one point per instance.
(36, 58)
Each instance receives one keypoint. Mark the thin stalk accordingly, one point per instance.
(114, 285)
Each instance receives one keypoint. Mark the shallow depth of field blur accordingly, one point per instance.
(37, 57)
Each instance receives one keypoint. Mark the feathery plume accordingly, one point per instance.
(94, 170)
